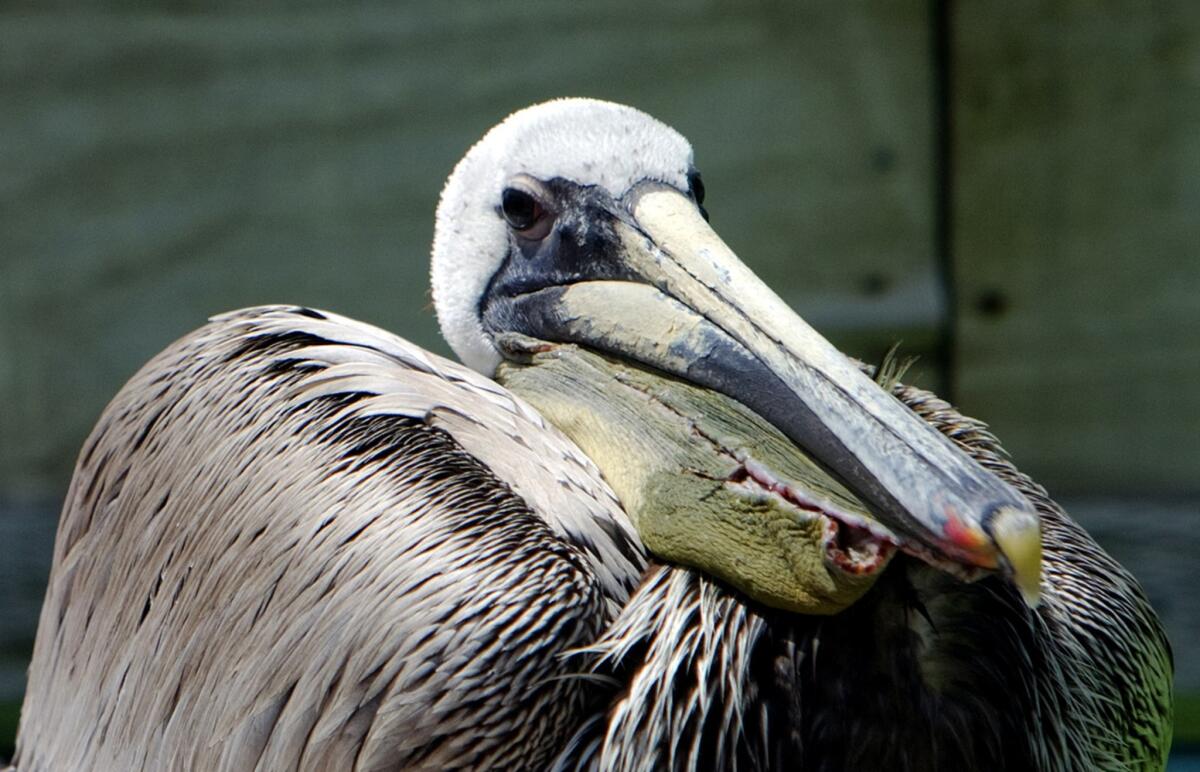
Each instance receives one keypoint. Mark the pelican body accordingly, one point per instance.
(656, 522)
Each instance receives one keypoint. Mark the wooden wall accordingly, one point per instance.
(1076, 238)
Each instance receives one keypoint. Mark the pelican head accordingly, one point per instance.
(580, 223)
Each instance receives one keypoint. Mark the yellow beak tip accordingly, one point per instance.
(1018, 534)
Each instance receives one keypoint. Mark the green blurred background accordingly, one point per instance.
(1010, 188)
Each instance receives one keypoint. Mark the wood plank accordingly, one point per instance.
(162, 166)
(1076, 238)
(27, 532)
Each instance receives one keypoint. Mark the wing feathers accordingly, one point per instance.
(296, 541)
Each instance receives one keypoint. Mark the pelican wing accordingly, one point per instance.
(295, 541)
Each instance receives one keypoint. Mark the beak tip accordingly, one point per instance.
(1018, 534)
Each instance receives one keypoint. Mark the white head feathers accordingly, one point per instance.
(584, 140)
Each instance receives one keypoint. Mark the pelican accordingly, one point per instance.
(656, 522)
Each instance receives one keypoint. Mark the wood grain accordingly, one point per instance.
(1077, 241)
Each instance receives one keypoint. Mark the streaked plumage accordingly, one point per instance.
(351, 610)
(925, 673)
(294, 541)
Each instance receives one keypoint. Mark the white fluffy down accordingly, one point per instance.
(584, 140)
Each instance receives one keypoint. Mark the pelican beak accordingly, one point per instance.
(668, 293)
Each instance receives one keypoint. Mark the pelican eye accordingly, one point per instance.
(525, 214)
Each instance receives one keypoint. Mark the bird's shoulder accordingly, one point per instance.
(285, 488)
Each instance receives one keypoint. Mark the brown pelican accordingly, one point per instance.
(295, 541)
